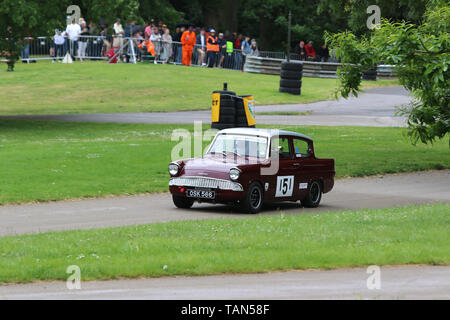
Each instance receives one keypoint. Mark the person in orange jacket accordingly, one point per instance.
(188, 40)
(149, 45)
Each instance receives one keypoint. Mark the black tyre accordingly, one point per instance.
(293, 66)
(370, 74)
(254, 199)
(314, 195)
(182, 202)
(226, 95)
(287, 83)
(296, 91)
(288, 74)
(227, 110)
(229, 119)
(240, 111)
(221, 126)
(227, 103)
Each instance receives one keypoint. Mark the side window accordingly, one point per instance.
(284, 152)
(301, 148)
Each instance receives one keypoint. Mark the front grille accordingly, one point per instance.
(201, 182)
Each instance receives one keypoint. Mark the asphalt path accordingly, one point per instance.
(376, 107)
(401, 282)
(355, 193)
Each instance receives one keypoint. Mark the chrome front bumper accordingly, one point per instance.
(202, 182)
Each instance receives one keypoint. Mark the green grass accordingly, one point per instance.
(96, 87)
(44, 160)
(409, 235)
(284, 113)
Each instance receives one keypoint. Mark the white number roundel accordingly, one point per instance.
(285, 186)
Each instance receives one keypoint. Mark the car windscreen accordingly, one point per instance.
(241, 145)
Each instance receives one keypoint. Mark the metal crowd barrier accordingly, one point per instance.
(121, 49)
(97, 47)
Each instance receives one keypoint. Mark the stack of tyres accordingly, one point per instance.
(291, 77)
(370, 74)
(223, 110)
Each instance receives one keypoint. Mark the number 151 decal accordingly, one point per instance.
(285, 185)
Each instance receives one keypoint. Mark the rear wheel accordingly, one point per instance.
(314, 195)
(182, 202)
(254, 200)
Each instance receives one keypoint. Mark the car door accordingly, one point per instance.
(282, 183)
(301, 163)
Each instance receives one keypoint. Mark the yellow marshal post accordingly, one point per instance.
(249, 104)
(215, 109)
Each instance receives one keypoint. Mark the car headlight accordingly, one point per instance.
(174, 169)
(234, 174)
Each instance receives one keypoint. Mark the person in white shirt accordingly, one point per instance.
(118, 34)
(118, 29)
(155, 38)
(59, 40)
(73, 31)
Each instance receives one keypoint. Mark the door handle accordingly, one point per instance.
(296, 164)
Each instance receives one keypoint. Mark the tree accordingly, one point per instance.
(20, 19)
(422, 57)
(31, 18)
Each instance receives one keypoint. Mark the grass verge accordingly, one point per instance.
(408, 235)
(43, 160)
(98, 87)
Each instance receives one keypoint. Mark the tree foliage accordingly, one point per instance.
(421, 54)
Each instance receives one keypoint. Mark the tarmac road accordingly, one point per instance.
(376, 108)
(356, 193)
(401, 282)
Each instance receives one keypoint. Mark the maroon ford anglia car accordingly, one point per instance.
(250, 167)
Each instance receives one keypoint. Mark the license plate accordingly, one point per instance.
(205, 194)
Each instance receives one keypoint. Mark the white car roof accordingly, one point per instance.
(263, 132)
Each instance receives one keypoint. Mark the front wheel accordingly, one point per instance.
(314, 195)
(182, 202)
(254, 199)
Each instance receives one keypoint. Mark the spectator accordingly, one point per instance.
(59, 44)
(105, 34)
(73, 31)
(324, 54)
(155, 38)
(162, 31)
(118, 34)
(245, 49)
(166, 46)
(177, 49)
(118, 29)
(223, 48)
(94, 45)
(238, 42)
(300, 50)
(82, 42)
(212, 48)
(310, 51)
(177, 35)
(254, 52)
(25, 53)
(188, 42)
(228, 62)
(148, 31)
(201, 47)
